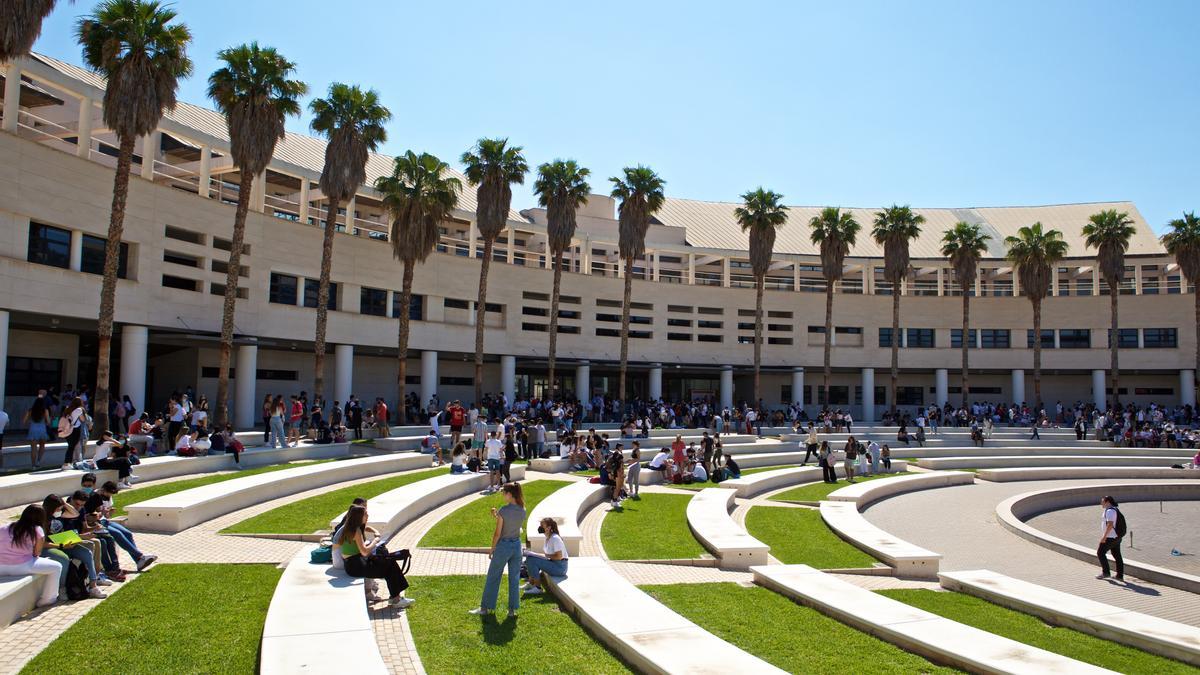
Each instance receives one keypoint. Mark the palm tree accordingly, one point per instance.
(835, 233)
(640, 192)
(255, 91)
(761, 214)
(1183, 242)
(562, 188)
(493, 166)
(1109, 233)
(143, 55)
(352, 120)
(1035, 253)
(964, 245)
(895, 227)
(418, 196)
(20, 26)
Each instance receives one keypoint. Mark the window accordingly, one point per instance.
(169, 281)
(601, 302)
(530, 295)
(779, 341)
(780, 327)
(311, 288)
(1159, 338)
(838, 395)
(226, 245)
(920, 338)
(1074, 338)
(1153, 391)
(49, 245)
(568, 299)
(91, 259)
(847, 330)
(573, 330)
(222, 267)
(718, 311)
(1047, 338)
(819, 330)
(743, 325)
(610, 318)
(885, 335)
(880, 395)
(1127, 338)
(608, 332)
(681, 337)
(996, 338)
(493, 308)
(681, 309)
(535, 327)
(169, 257)
(956, 338)
(709, 338)
(535, 311)
(644, 320)
(416, 307)
(745, 312)
(219, 289)
(276, 374)
(451, 303)
(703, 323)
(680, 323)
(372, 301)
(456, 381)
(26, 375)
(569, 314)
(283, 289)
(909, 396)
(777, 314)
(180, 234)
(745, 339)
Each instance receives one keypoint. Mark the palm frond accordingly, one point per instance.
(255, 91)
(561, 187)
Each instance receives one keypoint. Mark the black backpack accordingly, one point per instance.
(76, 581)
(1121, 528)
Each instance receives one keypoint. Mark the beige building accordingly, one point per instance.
(692, 331)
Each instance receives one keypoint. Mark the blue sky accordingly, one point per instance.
(848, 103)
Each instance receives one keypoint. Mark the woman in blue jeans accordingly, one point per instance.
(505, 552)
(553, 560)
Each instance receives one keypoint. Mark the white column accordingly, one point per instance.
(797, 385)
(655, 381)
(1187, 386)
(12, 97)
(1098, 381)
(83, 144)
(1137, 279)
(941, 281)
(941, 378)
(305, 198)
(75, 260)
(512, 242)
(471, 307)
(725, 274)
(868, 394)
(3, 353)
(726, 386)
(245, 398)
(653, 265)
(691, 269)
(150, 145)
(472, 239)
(134, 340)
(1016, 286)
(258, 195)
(1141, 336)
(583, 381)
(585, 266)
(205, 171)
(1018, 386)
(508, 377)
(796, 276)
(343, 373)
(429, 375)
(350, 207)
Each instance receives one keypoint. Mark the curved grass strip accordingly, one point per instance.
(471, 526)
(795, 638)
(652, 528)
(815, 492)
(152, 490)
(189, 618)
(542, 640)
(798, 535)
(309, 515)
(1033, 631)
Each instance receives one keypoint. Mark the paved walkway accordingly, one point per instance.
(1155, 529)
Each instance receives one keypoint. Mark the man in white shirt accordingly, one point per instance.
(699, 475)
(662, 462)
(494, 448)
(1110, 539)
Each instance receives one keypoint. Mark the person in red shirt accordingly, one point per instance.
(294, 417)
(677, 453)
(381, 418)
(458, 417)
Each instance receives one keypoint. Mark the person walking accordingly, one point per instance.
(505, 553)
(825, 459)
(811, 443)
(1112, 525)
(1034, 428)
(74, 425)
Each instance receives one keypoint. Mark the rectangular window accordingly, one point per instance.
(372, 301)
(219, 289)
(609, 318)
(180, 283)
(681, 337)
(908, 396)
(777, 314)
(819, 330)
(920, 338)
(530, 295)
(535, 327)
(226, 245)
(1047, 338)
(416, 307)
(885, 335)
(847, 330)
(277, 374)
(608, 332)
(180, 234)
(573, 330)
(680, 309)
(779, 341)
(569, 314)
(644, 320)
(709, 338)
(744, 325)
(1074, 338)
(1127, 338)
(49, 245)
(704, 323)
(718, 311)
(452, 381)
(451, 303)
(1153, 391)
(283, 289)
(679, 323)
(535, 311)
(838, 395)
(780, 327)
(601, 302)
(93, 254)
(311, 289)
(172, 257)
(1159, 338)
(956, 338)
(996, 338)
(26, 375)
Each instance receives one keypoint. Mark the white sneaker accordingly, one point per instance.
(401, 603)
(103, 581)
(146, 561)
(97, 593)
(479, 611)
(66, 467)
(125, 485)
(526, 588)
(132, 477)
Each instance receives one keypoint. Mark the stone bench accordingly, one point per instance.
(1084, 472)
(916, 630)
(566, 506)
(646, 634)
(19, 595)
(1149, 633)
(178, 511)
(550, 464)
(318, 622)
(755, 484)
(768, 459)
(909, 560)
(1007, 461)
(1008, 449)
(27, 488)
(708, 517)
(864, 493)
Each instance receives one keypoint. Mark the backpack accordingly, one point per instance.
(76, 581)
(321, 555)
(1121, 527)
(64, 426)
(718, 475)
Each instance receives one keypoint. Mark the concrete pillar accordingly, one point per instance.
(1137, 279)
(941, 282)
(350, 208)
(725, 272)
(796, 276)
(691, 279)
(1016, 285)
(472, 239)
(1056, 343)
(726, 386)
(151, 142)
(83, 144)
(75, 261)
(1187, 385)
(429, 376)
(512, 239)
(1099, 378)
(655, 381)
(134, 340)
(1141, 336)
(12, 97)
(305, 198)
(245, 398)
(868, 394)
(583, 381)
(3, 353)
(586, 255)
(508, 377)
(941, 378)
(1018, 386)
(653, 256)
(258, 195)
(343, 372)
(797, 385)
(205, 178)
(471, 307)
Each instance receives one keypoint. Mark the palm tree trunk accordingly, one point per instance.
(758, 322)
(895, 343)
(625, 329)
(966, 331)
(481, 316)
(558, 256)
(323, 300)
(108, 287)
(230, 304)
(1037, 354)
(829, 336)
(1114, 293)
(402, 343)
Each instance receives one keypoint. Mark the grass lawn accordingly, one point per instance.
(542, 640)
(652, 528)
(171, 619)
(152, 490)
(787, 635)
(1031, 630)
(800, 536)
(472, 525)
(314, 513)
(818, 491)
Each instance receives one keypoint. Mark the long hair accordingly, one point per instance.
(50, 504)
(549, 526)
(25, 529)
(514, 490)
(38, 412)
(356, 521)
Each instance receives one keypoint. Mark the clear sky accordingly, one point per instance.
(948, 103)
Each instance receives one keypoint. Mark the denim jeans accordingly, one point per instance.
(507, 554)
(554, 568)
(84, 555)
(124, 539)
(278, 437)
(58, 556)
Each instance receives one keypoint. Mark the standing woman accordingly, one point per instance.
(74, 414)
(633, 474)
(38, 418)
(175, 415)
(359, 561)
(825, 459)
(278, 438)
(851, 451)
(267, 407)
(505, 552)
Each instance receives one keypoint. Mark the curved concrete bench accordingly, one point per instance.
(765, 481)
(1014, 450)
(864, 493)
(550, 464)
(708, 517)
(318, 623)
(916, 630)
(1148, 633)
(566, 506)
(645, 633)
(1084, 472)
(909, 560)
(181, 510)
(1014, 511)
(1008, 461)
(27, 488)
(19, 595)
(769, 459)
